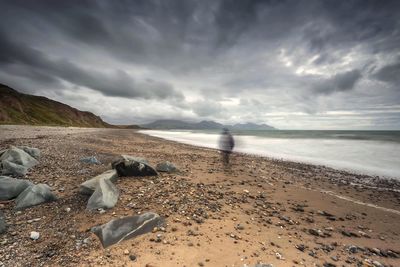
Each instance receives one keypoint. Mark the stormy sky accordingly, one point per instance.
(291, 64)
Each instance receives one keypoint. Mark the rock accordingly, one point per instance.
(90, 160)
(315, 232)
(377, 264)
(349, 233)
(104, 197)
(352, 249)
(301, 247)
(3, 225)
(117, 230)
(132, 257)
(9, 168)
(34, 195)
(127, 157)
(166, 167)
(88, 187)
(35, 235)
(130, 167)
(15, 161)
(33, 152)
(10, 187)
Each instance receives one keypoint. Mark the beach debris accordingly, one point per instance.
(88, 187)
(104, 197)
(132, 167)
(166, 166)
(11, 187)
(16, 161)
(35, 235)
(90, 160)
(3, 225)
(117, 230)
(34, 195)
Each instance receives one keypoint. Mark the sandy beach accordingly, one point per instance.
(261, 210)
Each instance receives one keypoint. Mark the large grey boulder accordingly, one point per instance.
(117, 230)
(33, 152)
(166, 166)
(88, 187)
(34, 195)
(10, 187)
(3, 224)
(133, 167)
(15, 161)
(104, 197)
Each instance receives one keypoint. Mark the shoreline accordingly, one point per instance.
(322, 151)
(257, 210)
(371, 181)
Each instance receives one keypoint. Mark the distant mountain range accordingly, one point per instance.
(203, 125)
(19, 108)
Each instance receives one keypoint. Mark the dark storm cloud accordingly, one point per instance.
(35, 64)
(389, 73)
(340, 82)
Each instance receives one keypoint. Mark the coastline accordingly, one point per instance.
(277, 203)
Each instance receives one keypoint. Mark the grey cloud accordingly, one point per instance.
(338, 83)
(205, 108)
(188, 58)
(23, 60)
(389, 73)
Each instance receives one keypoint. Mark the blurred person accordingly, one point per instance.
(226, 144)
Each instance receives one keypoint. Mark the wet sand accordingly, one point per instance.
(260, 210)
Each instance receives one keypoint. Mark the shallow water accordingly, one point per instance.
(366, 152)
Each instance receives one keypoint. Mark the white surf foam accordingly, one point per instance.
(361, 156)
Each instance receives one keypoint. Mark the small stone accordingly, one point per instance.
(201, 264)
(377, 264)
(132, 257)
(35, 235)
(126, 252)
(352, 249)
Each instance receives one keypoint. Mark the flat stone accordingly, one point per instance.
(118, 230)
(166, 167)
(104, 197)
(34, 195)
(90, 160)
(88, 187)
(11, 187)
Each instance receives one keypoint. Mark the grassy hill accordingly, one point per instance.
(18, 108)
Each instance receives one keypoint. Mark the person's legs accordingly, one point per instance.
(225, 158)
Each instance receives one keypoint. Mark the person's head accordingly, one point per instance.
(225, 130)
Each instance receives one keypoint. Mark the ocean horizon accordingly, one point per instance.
(373, 153)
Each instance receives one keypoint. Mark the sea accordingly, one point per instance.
(374, 153)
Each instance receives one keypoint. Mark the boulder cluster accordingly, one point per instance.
(16, 161)
(103, 193)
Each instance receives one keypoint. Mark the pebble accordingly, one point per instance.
(35, 235)
(132, 257)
